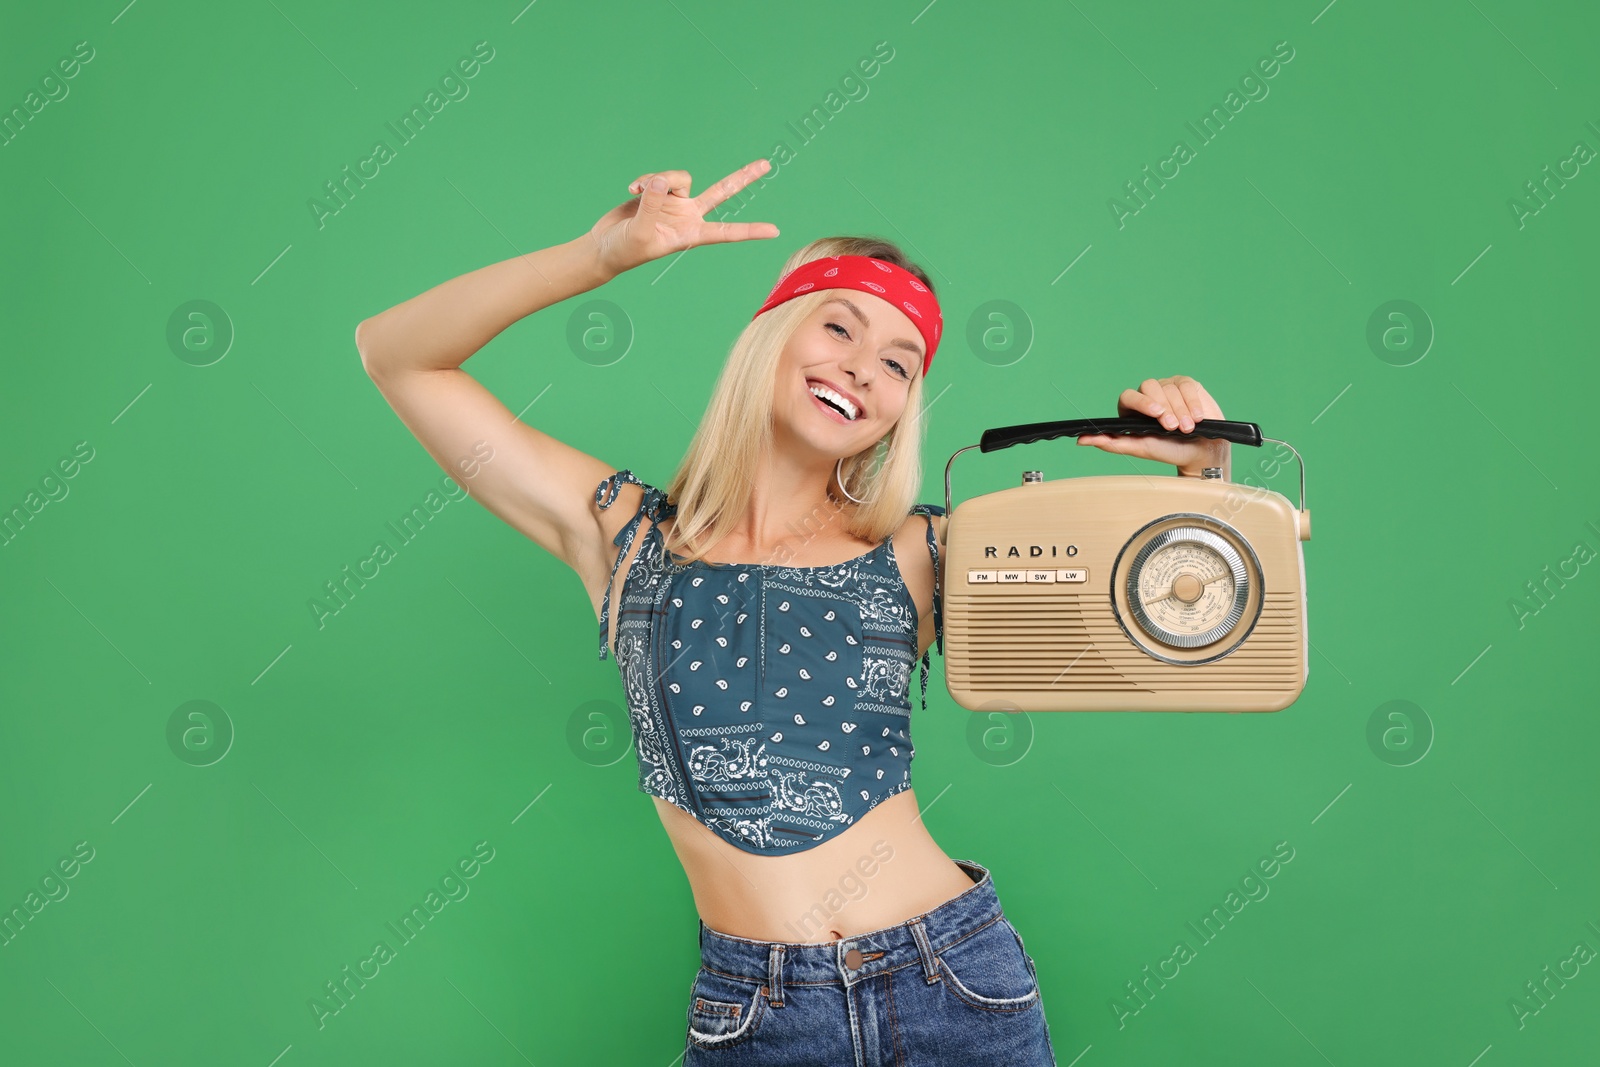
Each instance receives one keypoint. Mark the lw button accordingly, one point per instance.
(852, 959)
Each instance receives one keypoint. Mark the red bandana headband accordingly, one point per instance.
(895, 284)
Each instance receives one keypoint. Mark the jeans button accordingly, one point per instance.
(852, 959)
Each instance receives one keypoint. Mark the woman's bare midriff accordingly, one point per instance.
(881, 871)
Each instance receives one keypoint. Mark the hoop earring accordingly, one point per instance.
(837, 467)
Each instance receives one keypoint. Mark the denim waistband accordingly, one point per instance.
(916, 941)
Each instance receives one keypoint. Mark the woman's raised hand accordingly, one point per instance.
(664, 218)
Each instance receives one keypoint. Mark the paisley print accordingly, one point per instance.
(756, 693)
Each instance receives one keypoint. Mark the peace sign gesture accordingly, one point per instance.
(664, 218)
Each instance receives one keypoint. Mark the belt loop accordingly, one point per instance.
(930, 962)
(775, 975)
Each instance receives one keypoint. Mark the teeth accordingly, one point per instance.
(824, 391)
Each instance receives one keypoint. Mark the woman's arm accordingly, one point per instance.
(413, 353)
(441, 328)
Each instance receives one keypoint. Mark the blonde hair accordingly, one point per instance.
(712, 486)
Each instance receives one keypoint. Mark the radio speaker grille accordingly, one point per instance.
(1041, 641)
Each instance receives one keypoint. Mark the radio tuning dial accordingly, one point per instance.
(1186, 585)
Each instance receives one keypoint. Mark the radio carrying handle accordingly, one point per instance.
(1243, 433)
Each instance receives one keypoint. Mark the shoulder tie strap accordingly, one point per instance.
(928, 511)
(653, 506)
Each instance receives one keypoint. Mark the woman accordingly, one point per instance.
(767, 619)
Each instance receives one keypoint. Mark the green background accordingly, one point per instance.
(350, 766)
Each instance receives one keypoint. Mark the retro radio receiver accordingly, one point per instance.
(1125, 592)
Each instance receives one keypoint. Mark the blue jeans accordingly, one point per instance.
(950, 986)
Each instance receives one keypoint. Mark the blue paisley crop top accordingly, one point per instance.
(769, 702)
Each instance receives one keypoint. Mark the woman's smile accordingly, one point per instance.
(847, 407)
(827, 409)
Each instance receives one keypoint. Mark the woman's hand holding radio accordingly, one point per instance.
(1178, 402)
(660, 221)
